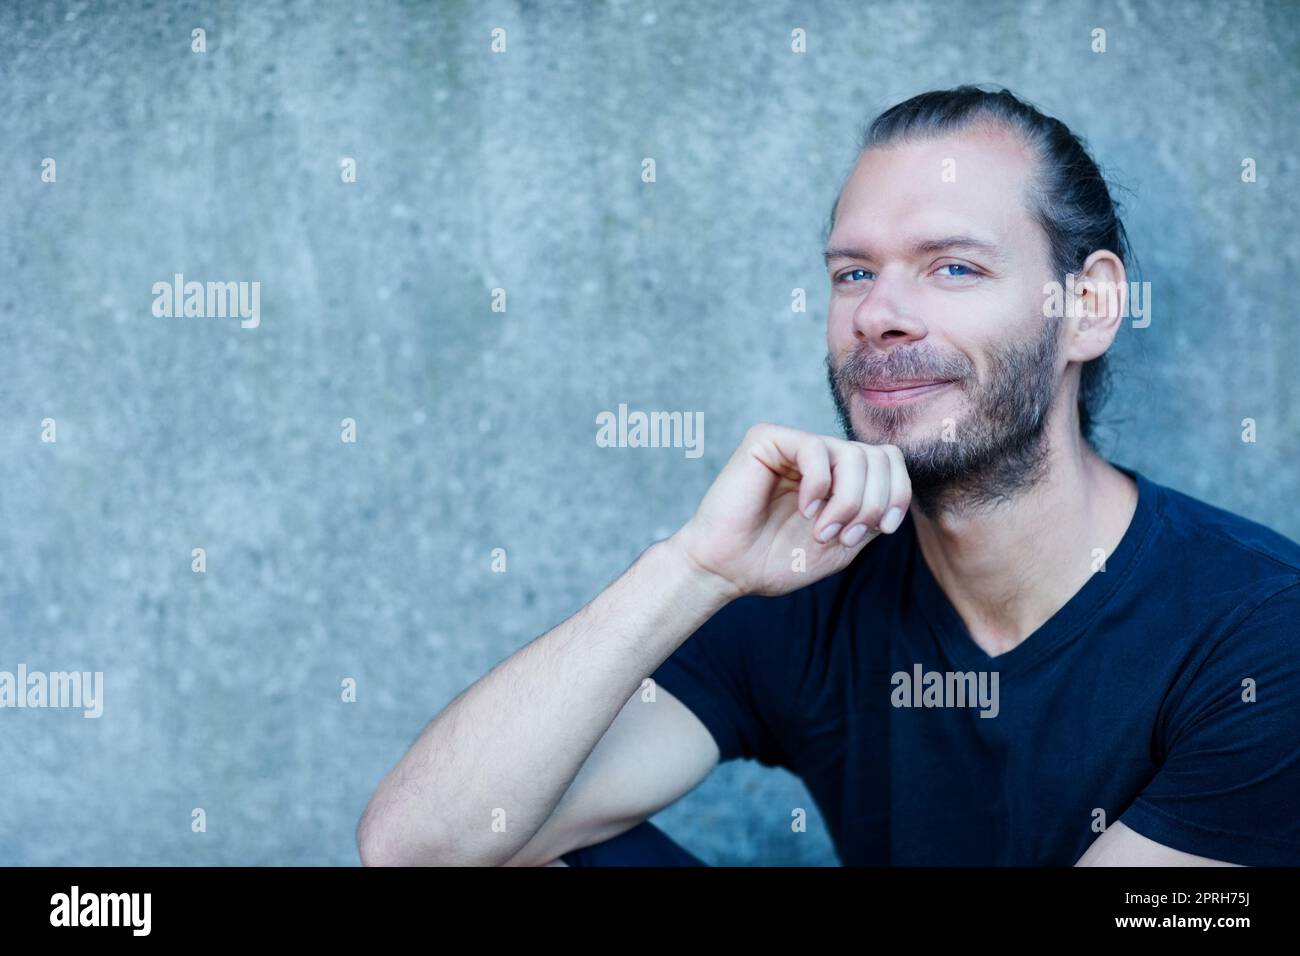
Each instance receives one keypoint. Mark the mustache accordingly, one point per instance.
(868, 368)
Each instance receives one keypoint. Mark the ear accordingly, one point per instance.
(1098, 306)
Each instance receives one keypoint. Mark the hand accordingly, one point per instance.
(784, 489)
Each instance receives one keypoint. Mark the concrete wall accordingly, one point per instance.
(371, 560)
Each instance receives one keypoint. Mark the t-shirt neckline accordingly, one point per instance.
(1068, 621)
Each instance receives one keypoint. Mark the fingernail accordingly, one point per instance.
(893, 518)
(813, 508)
(854, 535)
(828, 532)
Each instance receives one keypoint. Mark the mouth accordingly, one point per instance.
(899, 393)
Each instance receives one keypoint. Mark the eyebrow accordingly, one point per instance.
(923, 247)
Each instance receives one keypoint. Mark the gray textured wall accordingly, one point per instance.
(372, 560)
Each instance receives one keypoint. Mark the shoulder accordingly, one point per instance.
(1209, 555)
(1231, 594)
(1224, 537)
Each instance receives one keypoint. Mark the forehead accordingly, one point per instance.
(974, 180)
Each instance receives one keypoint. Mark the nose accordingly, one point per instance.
(886, 316)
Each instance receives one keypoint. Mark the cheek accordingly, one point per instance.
(972, 356)
(839, 326)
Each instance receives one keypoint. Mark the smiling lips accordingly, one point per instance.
(898, 393)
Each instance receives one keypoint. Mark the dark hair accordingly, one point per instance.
(1071, 200)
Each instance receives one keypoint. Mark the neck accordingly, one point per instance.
(1008, 565)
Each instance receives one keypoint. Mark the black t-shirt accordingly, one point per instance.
(1164, 694)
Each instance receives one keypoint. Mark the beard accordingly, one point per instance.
(996, 451)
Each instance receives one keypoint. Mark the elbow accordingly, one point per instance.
(384, 841)
(376, 848)
(371, 847)
(370, 851)
(376, 844)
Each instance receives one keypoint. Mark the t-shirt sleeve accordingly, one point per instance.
(729, 673)
(1229, 786)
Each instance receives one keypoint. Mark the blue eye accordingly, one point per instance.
(844, 275)
(958, 265)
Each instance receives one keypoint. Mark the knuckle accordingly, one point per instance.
(841, 504)
(834, 501)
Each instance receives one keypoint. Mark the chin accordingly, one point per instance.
(898, 432)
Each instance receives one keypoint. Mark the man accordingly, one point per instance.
(1045, 659)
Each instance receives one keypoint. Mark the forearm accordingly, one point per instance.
(488, 771)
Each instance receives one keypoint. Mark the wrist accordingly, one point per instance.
(711, 587)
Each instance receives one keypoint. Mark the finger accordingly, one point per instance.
(848, 479)
(875, 498)
(797, 455)
(814, 462)
(900, 490)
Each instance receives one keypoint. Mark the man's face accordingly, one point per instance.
(937, 271)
